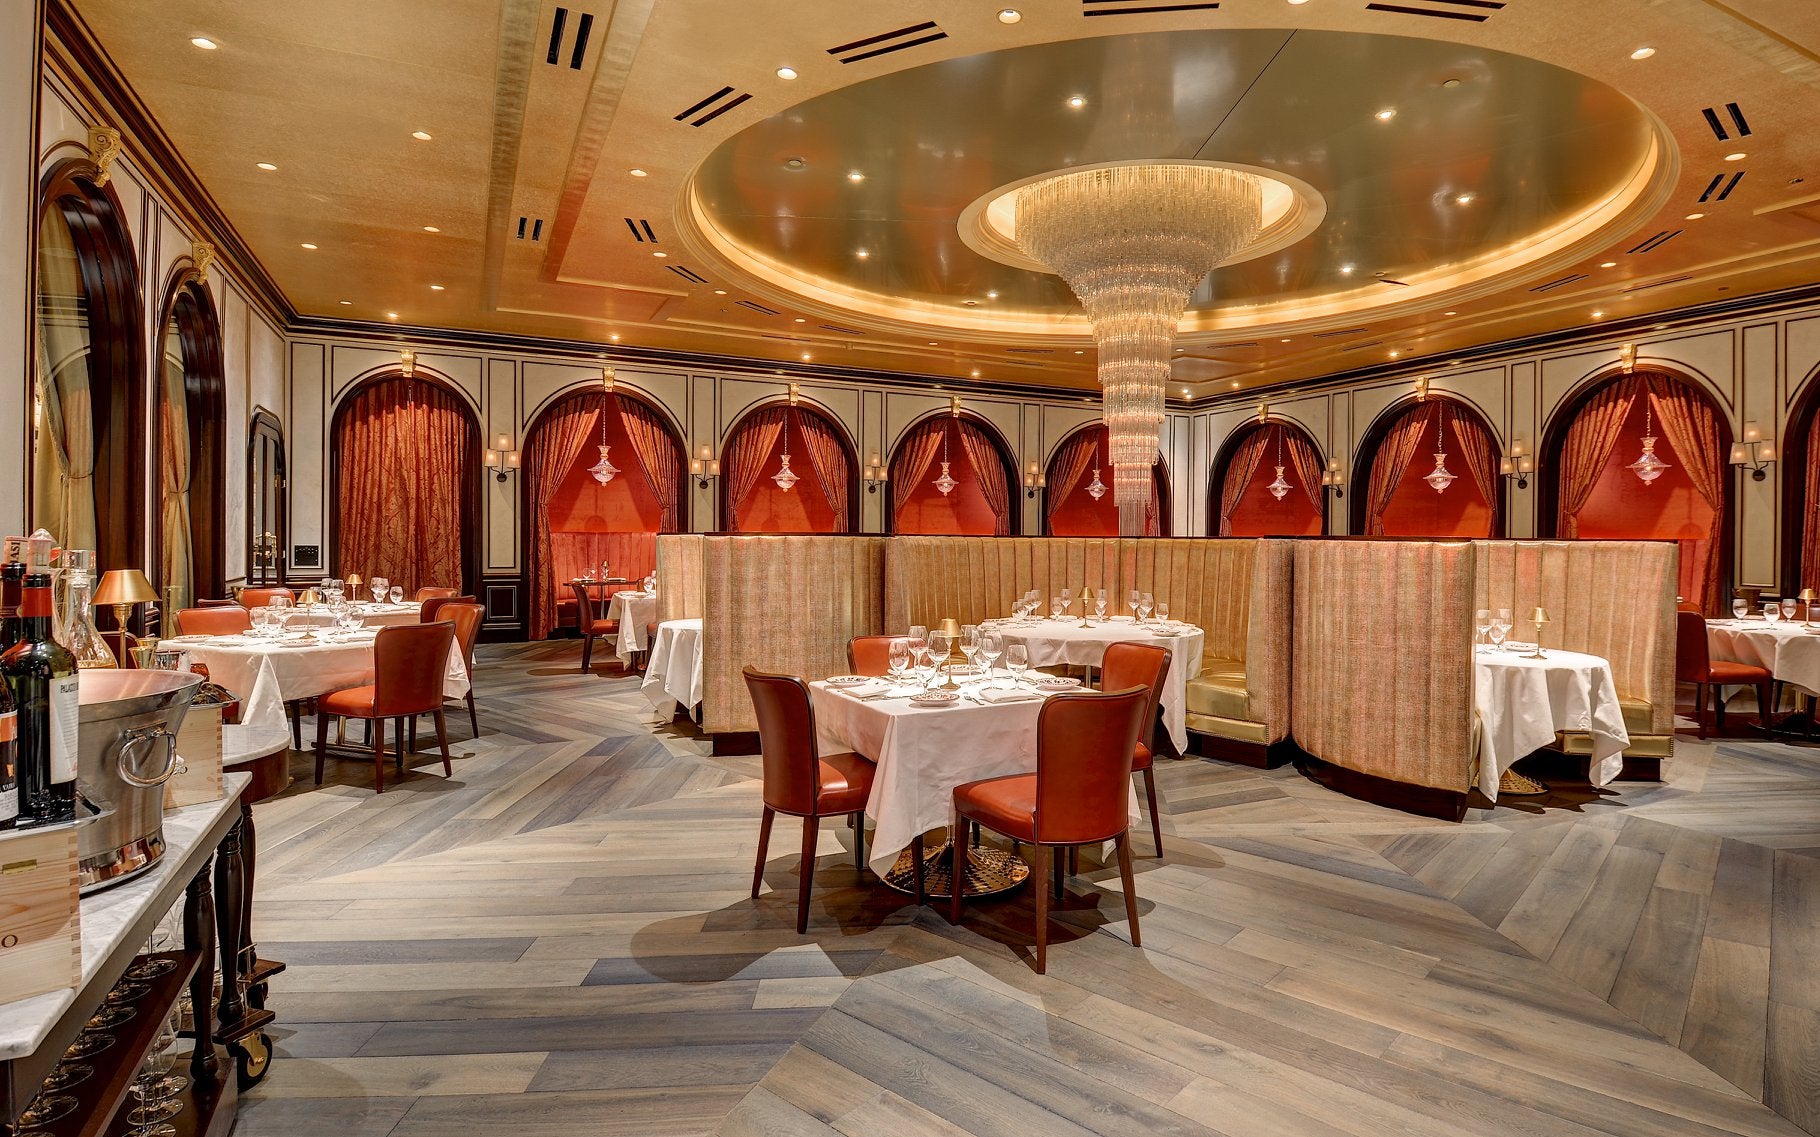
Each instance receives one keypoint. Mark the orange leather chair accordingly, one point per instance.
(260, 597)
(429, 593)
(870, 655)
(409, 662)
(213, 622)
(428, 612)
(801, 782)
(467, 619)
(1140, 665)
(1076, 797)
(1693, 664)
(590, 620)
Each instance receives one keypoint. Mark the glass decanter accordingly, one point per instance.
(73, 612)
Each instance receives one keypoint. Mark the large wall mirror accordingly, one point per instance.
(190, 418)
(267, 536)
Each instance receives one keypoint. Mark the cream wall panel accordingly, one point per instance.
(703, 429)
(306, 450)
(1525, 419)
(1059, 422)
(350, 365)
(1757, 556)
(231, 309)
(1803, 357)
(499, 500)
(265, 377)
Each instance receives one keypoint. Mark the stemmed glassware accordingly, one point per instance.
(1099, 604)
(1772, 611)
(395, 594)
(1056, 604)
(970, 643)
(1162, 611)
(1481, 623)
(991, 649)
(1789, 607)
(1500, 627)
(1017, 661)
(1146, 604)
(1740, 609)
(941, 646)
(377, 586)
(1131, 602)
(898, 660)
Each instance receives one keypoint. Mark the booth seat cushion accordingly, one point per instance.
(1239, 730)
(1219, 690)
(1637, 717)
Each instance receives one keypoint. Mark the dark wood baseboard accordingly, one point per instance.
(1257, 755)
(1424, 801)
(1637, 769)
(734, 742)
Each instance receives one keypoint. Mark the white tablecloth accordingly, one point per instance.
(633, 610)
(371, 615)
(1523, 702)
(266, 675)
(673, 676)
(1052, 642)
(922, 753)
(1791, 652)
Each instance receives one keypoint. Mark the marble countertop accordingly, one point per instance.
(116, 921)
(245, 741)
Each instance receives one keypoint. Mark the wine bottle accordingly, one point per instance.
(12, 578)
(9, 760)
(40, 675)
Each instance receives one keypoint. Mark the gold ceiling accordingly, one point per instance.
(1478, 166)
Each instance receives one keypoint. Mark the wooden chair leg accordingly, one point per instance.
(859, 840)
(473, 717)
(587, 652)
(1156, 823)
(1042, 909)
(379, 755)
(1055, 873)
(322, 744)
(764, 841)
(957, 875)
(442, 736)
(1700, 707)
(413, 722)
(1719, 709)
(811, 832)
(296, 727)
(1124, 847)
(1769, 697)
(398, 741)
(916, 872)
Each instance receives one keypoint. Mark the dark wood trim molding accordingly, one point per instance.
(187, 302)
(1423, 801)
(1258, 756)
(1793, 458)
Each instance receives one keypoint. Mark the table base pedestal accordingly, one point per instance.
(990, 871)
(1513, 784)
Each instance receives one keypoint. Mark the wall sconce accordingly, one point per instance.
(1518, 465)
(1754, 453)
(500, 457)
(1627, 358)
(1422, 389)
(876, 474)
(407, 363)
(704, 467)
(1333, 479)
(1034, 479)
(1263, 412)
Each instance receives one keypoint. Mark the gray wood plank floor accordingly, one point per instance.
(558, 940)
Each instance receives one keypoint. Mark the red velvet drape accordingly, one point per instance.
(1307, 464)
(658, 456)
(1590, 441)
(558, 439)
(989, 470)
(1068, 467)
(914, 459)
(1810, 512)
(407, 457)
(1479, 456)
(1692, 428)
(1245, 462)
(1396, 450)
(829, 462)
(743, 462)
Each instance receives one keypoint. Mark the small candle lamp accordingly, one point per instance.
(1807, 599)
(121, 589)
(1539, 617)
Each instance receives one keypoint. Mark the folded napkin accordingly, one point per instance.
(1007, 695)
(866, 690)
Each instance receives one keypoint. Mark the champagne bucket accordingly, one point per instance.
(126, 745)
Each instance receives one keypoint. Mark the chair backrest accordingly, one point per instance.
(433, 605)
(205, 602)
(213, 621)
(786, 738)
(409, 663)
(1137, 665)
(429, 592)
(1083, 764)
(869, 655)
(467, 619)
(1691, 660)
(260, 597)
(588, 607)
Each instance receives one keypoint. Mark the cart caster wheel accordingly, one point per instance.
(252, 1059)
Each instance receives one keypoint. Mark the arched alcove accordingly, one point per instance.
(982, 503)
(1799, 461)
(268, 535)
(190, 417)
(405, 492)
(1392, 496)
(1071, 509)
(821, 500)
(1239, 501)
(1588, 491)
(88, 394)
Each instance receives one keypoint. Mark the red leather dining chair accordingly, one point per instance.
(429, 592)
(260, 597)
(591, 621)
(213, 622)
(1694, 664)
(1076, 797)
(1140, 665)
(467, 619)
(409, 662)
(870, 655)
(800, 781)
(428, 613)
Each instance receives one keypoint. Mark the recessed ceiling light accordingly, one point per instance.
(1386, 114)
(391, 315)
(1463, 199)
(855, 176)
(1345, 270)
(976, 373)
(1395, 354)
(801, 320)
(421, 135)
(786, 72)
(344, 301)
(431, 229)
(862, 254)
(932, 343)
(307, 245)
(436, 288)
(1077, 101)
(795, 163)
(203, 42)
(720, 292)
(1608, 264)
(1184, 392)
(1080, 353)
(992, 296)
(1643, 53)
(660, 254)
(1450, 313)
(807, 357)
(1695, 216)
(970, 303)
(1009, 15)
(1235, 382)
(1298, 1)
(1735, 156)
(637, 173)
(614, 337)
(1450, 84)
(265, 165)
(1598, 314)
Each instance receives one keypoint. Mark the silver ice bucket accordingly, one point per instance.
(126, 745)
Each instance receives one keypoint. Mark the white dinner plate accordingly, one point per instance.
(849, 680)
(1057, 683)
(935, 699)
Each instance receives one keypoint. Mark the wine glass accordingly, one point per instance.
(1500, 627)
(1017, 661)
(396, 594)
(1162, 611)
(1146, 605)
(941, 646)
(1056, 604)
(169, 1084)
(970, 643)
(898, 660)
(378, 585)
(1099, 604)
(151, 1117)
(1789, 606)
(1132, 599)
(992, 649)
(1481, 622)
(1740, 609)
(1772, 611)
(922, 663)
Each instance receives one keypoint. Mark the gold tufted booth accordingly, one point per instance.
(1614, 599)
(1383, 692)
(1236, 590)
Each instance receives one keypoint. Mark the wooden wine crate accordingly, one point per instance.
(40, 923)
(199, 744)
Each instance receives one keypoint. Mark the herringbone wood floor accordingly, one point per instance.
(559, 940)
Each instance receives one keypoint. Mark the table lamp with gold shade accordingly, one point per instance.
(1807, 599)
(1539, 618)
(121, 589)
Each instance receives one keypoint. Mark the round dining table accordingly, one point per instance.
(1789, 649)
(1083, 643)
(1523, 702)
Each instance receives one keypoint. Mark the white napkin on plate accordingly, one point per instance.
(865, 690)
(1007, 695)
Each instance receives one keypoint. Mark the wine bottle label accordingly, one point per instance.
(9, 738)
(65, 709)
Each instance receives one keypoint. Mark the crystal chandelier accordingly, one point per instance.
(945, 483)
(1648, 467)
(1133, 242)
(785, 477)
(1096, 487)
(1438, 477)
(1280, 488)
(604, 470)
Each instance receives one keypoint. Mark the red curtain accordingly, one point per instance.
(1396, 450)
(1692, 428)
(1479, 454)
(1587, 448)
(407, 456)
(743, 462)
(828, 458)
(1069, 466)
(555, 443)
(989, 470)
(1810, 514)
(1245, 462)
(1307, 463)
(658, 456)
(914, 458)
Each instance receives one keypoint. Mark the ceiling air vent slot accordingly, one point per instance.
(1236, 346)
(688, 274)
(1383, 279)
(1722, 194)
(1554, 284)
(641, 231)
(1455, 9)
(710, 115)
(1738, 122)
(530, 228)
(1657, 241)
(1338, 334)
(584, 28)
(913, 36)
(840, 331)
(1657, 283)
(1362, 346)
(760, 308)
(1130, 8)
(1031, 350)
